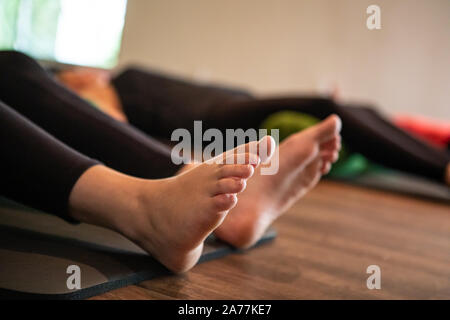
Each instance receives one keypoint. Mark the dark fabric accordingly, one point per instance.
(31, 91)
(35, 168)
(158, 105)
(39, 170)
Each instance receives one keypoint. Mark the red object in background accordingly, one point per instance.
(433, 131)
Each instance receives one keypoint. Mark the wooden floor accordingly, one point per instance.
(325, 243)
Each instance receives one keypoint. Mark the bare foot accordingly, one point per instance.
(303, 158)
(169, 218)
(185, 209)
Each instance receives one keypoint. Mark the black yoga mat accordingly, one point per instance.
(403, 183)
(36, 250)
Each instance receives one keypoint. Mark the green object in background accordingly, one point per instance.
(288, 122)
(352, 166)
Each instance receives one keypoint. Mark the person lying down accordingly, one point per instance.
(71, 160)
(158, 104)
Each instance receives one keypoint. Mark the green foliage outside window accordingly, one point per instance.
(85, 32)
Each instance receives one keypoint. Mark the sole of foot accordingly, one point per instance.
(303, 158)
(176, 215)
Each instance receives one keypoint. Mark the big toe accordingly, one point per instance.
(266, 148)
(326, 129)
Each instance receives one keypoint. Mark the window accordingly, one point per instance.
(81, 32)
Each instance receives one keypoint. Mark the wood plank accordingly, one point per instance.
(325, 243)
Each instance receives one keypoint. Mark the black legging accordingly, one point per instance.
(40, 170)
(158, 105)
(35, 168)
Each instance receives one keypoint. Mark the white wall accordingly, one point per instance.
(279, 46)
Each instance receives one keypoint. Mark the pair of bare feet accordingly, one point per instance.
(170, 218)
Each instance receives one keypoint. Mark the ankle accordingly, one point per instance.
(105, 198)
(138, 222)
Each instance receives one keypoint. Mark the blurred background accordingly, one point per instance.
(268, 46)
